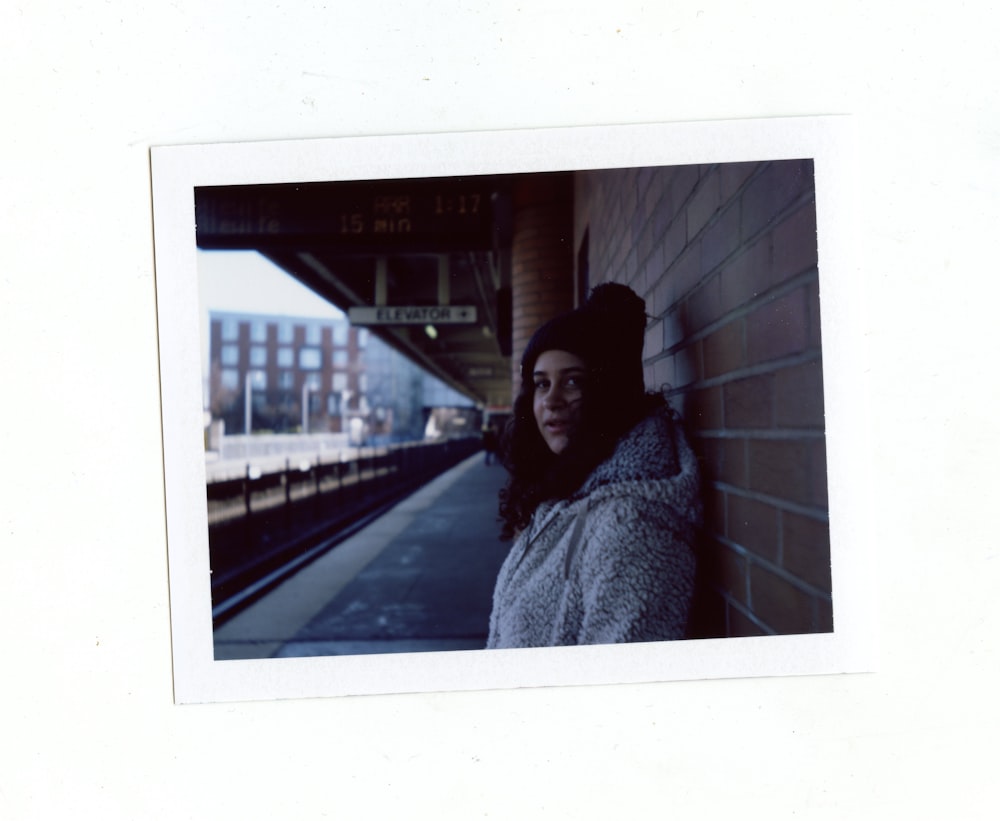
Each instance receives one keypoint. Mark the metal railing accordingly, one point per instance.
(264, 521)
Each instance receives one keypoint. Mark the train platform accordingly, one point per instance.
(419, 578)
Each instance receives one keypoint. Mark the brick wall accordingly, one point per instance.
(725, 257)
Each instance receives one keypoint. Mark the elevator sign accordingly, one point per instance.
(413, 315)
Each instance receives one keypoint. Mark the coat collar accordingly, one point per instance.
(648, 452)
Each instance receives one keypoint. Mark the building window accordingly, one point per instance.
(258, 380)
(362, 337)
(340, 381)
(333, 404)
(310, 359)
(286, 333)
(314, 334)
(340, 358)
(312, 382)
(340, 331)
(286, 357)
(229, 355)
(230, 330)
(258, 331)
(286, 380)
(258, 356)
(229, 379)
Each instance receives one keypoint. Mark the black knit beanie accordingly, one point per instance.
(607, 332)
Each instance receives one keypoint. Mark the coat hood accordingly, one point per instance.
(655, 450)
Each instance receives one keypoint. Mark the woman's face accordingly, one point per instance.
(558, 379)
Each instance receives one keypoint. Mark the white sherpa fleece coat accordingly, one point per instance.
(613, 563)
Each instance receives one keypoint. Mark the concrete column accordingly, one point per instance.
(541, 256)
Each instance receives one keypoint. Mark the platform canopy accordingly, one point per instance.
(424, 263)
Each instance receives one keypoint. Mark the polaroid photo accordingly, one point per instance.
(342, 323)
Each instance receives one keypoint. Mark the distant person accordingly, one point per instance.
(603, 498)
(490, 444)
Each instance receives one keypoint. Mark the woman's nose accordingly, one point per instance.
(554, 398)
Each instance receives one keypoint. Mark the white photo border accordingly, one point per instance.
(178, 170)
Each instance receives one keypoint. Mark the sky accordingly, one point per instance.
(245, 281)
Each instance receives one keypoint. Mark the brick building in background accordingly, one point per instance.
(334, 372)
(726, 258)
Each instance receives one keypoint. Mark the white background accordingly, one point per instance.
(89, 728)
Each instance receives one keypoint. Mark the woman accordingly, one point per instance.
(603, 495)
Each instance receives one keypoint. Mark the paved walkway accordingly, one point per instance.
(419, 578)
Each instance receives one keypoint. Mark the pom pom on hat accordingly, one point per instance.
(618, 309)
